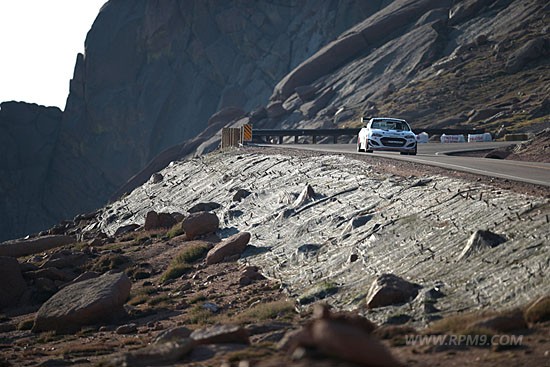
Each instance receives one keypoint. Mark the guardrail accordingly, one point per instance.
(266, 135)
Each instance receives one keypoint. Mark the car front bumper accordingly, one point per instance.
(392, 144)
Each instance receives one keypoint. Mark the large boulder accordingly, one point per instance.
(344, 335)
(200, 223)
(330, 57)
(154, 220)
(12, 285)
(389, 289)
(24, 247)
(232, 246)
(532, 50)
(97, 300)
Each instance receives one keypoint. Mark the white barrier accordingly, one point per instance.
(472, 138)
(452, 139)
(422, 138)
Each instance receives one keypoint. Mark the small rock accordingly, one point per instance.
(360, 221)
(499, 153)
(63, 259)
(156, 178)
(173, 334)
(305, 196)
(389, 289)
(221, 334)
(204, 207)
(250, 274)
(125, 229)
(481, 40)
(241, 194)
(479, 241)
(210, 307)
(156, 354)
(350, 344)
(126, 329)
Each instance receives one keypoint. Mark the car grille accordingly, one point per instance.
(393, 142)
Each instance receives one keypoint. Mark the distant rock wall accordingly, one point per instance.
(28, 136)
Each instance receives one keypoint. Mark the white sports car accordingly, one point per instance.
(389, 134)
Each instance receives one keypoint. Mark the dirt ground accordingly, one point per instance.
(180, 302)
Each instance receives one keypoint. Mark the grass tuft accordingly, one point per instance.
(182, 262)
(175, 231)
(268, 311)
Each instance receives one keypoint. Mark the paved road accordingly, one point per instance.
(440, 155)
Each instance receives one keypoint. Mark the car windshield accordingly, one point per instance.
(390, 125)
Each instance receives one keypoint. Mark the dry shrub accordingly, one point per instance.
(268, 311)
(182, 262)
(538, 311)
(458, 324)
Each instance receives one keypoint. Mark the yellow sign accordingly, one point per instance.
(247, 132)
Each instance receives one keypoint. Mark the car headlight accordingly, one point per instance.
(376, 135)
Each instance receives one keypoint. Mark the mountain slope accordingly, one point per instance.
(475, 63)
(153, 73)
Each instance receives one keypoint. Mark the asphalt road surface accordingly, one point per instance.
(441, 155)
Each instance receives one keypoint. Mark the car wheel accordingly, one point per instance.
(367, 150)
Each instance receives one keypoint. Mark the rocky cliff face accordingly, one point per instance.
(28, 136)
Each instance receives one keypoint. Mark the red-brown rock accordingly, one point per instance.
(231, 246)
(201, 223)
